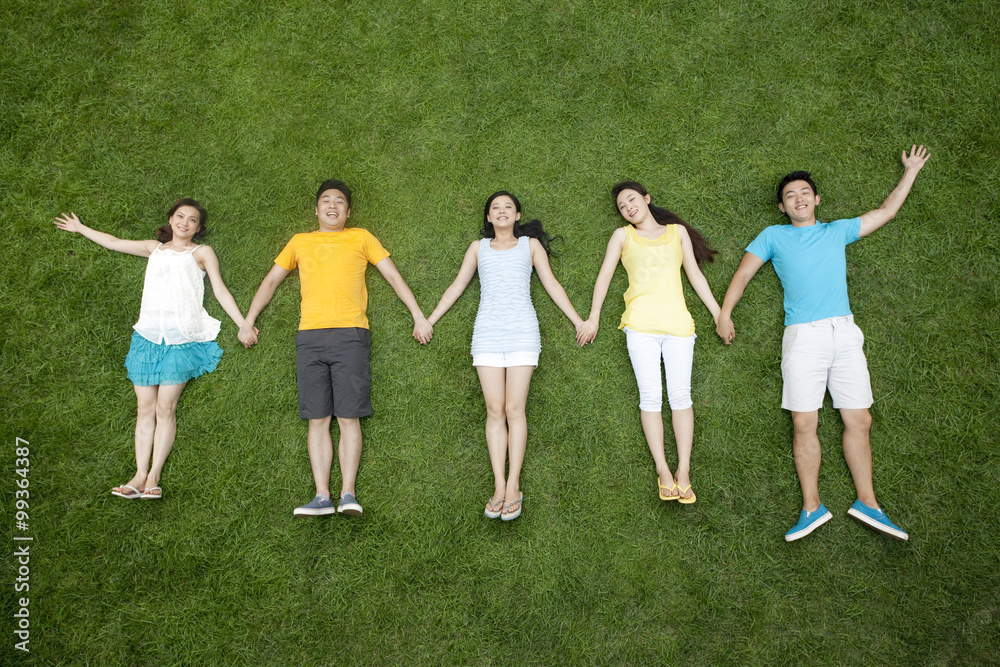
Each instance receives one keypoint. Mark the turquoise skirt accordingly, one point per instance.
(150, 364)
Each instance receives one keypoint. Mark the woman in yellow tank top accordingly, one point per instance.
(653, 247)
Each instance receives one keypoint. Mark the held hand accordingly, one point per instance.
(248, 336)
(586, 332)
(69, 222)
(423, 331)
(726, 330)
(916, 159)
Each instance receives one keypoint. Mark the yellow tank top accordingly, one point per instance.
(654, 300)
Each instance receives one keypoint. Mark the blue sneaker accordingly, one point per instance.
(349, 505)
(876, 519)
(316, 507)
(808, 522)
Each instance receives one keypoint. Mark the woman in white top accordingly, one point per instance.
(505, 341)
(174, 339)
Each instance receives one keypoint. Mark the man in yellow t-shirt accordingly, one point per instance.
(333, 346)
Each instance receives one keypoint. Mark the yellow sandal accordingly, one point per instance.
(686, 501)
(663, 488)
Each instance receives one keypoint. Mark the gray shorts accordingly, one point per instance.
(333, 372)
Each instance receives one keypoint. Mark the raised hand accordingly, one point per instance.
(916, 159)
(69, 222)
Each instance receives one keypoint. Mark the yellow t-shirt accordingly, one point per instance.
(332, 276)
(654, 300)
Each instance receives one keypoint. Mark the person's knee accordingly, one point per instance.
(349, 426)
(322, 424)
(166, 410)
(680, 399)
(649, 400)
(496, 410)
(858, 420)
(514, 412)
(805, 423)
(147, 411)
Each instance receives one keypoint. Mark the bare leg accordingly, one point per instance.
(858, 452)
(683, 421)
(806, 449)
(652, 428)
(166, 429)
(518, 382)
(349, 451)
(320, 446)
(494, 384)
(145, 426)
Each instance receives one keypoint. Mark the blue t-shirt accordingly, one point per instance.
(811, 264)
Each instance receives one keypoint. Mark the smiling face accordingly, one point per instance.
(332, 211)
(633, 206)
(503, 212)
(185, 222)
(798, 202)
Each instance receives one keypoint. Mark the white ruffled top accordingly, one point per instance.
(172, 297)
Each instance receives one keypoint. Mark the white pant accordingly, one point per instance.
(645, 351)
(821, 355)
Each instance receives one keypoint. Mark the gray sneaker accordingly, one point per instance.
(349, 505)
(318, 506)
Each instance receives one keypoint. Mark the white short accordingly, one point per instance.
(505, 359)
(821, 355)
(645, 350)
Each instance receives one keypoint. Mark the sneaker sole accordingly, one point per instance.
(880, 527)
(310, 512)
(350, 510)
(810, 528)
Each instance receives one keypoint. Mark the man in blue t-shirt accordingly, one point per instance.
(822, 347)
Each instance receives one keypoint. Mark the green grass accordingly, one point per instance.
(114, 110)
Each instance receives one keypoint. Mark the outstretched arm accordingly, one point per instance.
(912, 164)
(422, 329)
(696, 277)
(748, 267)
(612, 256)
(468, 269)
(540, 260)
(248, 332)
(70, 223)
(209, 263)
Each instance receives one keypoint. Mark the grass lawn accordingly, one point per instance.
(115, 110)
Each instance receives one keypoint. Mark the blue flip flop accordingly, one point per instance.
(510, 516)
(493, 514)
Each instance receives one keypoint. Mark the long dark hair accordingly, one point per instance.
(532, 228)
(702, 251)
(165, 233)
